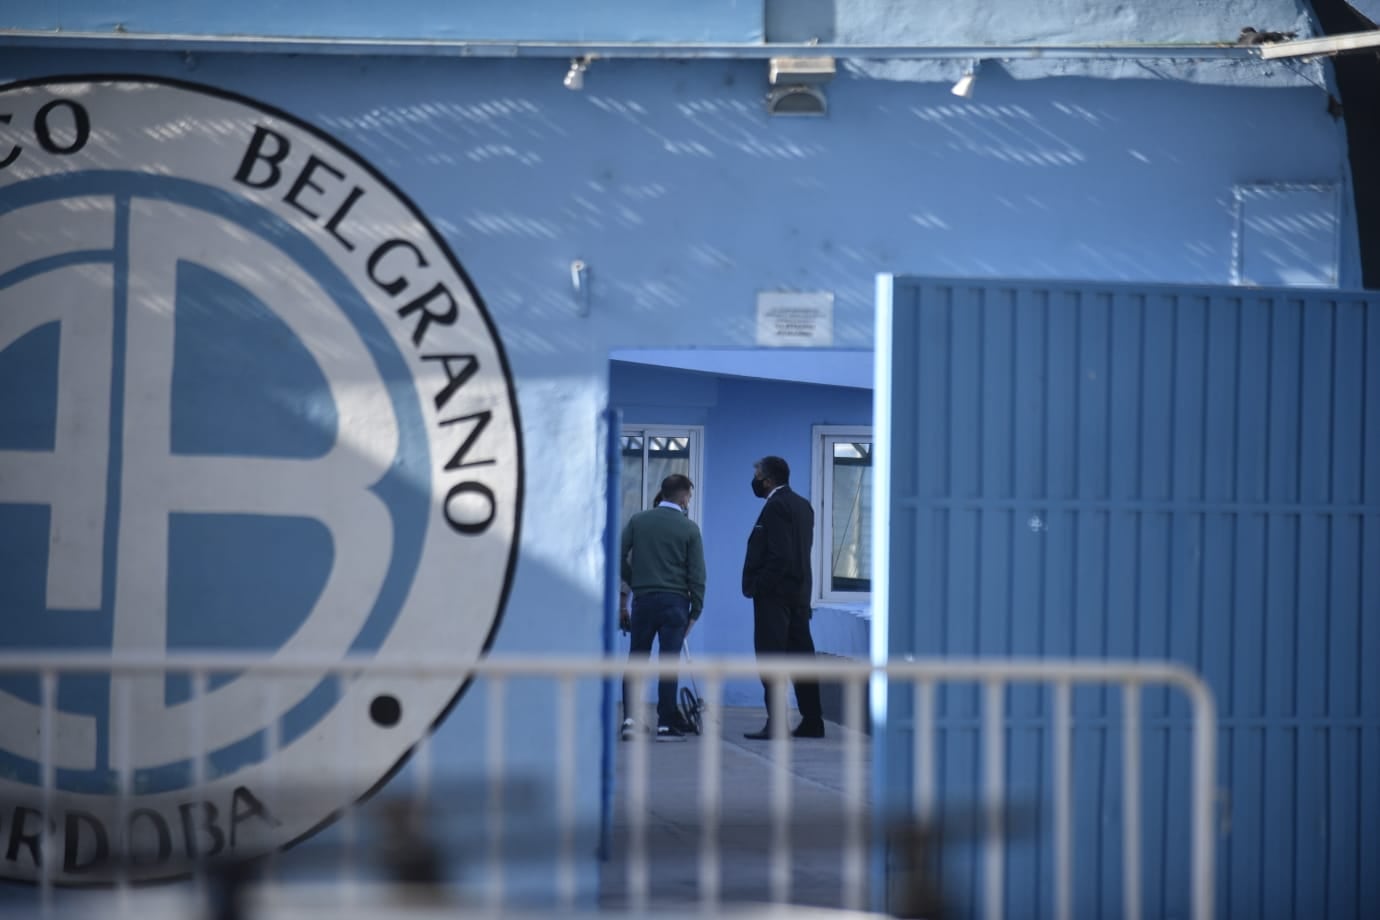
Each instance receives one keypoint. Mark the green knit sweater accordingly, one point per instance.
(662, 551)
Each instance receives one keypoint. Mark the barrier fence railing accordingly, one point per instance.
(281, 682)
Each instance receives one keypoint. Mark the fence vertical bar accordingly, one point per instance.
(414, 818)
(421, 775)
(273, 740)
(993, 799)
(924, 792)
(197, 709)
(494, 749)
(854, 796)
(121, 759)
(565, 801)
(1204, 776)
(349, 819)
(779, 871)
(1063, 800)
(711, 762)
(637, 801)
(1130, 801)
(48, 780)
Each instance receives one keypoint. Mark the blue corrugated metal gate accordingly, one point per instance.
(1159, 472)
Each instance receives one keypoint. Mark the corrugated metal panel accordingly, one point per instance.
(1152, 472)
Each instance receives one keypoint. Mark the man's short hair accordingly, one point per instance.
(775, 469)
(675, 487)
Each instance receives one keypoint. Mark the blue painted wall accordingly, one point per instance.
(685, 199)
(671, 182)
(744, 419)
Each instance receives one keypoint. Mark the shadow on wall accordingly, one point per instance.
(249, 582)
(280, 467)
(634, 175)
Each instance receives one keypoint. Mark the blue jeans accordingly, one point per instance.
(663, 616)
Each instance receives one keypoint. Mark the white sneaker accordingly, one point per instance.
(629, 729)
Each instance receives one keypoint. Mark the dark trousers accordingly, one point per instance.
(779, 628)
(662, 616)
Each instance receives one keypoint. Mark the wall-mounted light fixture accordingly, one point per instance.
(964, 87)
(579, 283)
(575, 76)
(798, 85)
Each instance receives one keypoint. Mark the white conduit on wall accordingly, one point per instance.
(994, 676)
(469, 48)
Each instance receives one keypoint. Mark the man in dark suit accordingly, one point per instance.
(776, 575)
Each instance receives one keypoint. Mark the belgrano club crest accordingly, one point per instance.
(252, 405)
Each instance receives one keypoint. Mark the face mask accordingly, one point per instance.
(759, 488)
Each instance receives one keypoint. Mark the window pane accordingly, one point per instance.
(851, 526)
(630, 481)
(642, 473)
(666, 455)
(852, 451)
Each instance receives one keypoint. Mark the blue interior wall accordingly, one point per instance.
(744, 419)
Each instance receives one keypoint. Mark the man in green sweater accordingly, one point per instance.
(663, 562)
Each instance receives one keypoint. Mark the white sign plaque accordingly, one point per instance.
(801, 319)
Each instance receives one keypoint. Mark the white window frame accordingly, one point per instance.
(696, 434)
(822, 440)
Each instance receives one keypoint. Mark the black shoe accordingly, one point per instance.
(686, 726)
(669, 733)
(809, 730)
(763, 735)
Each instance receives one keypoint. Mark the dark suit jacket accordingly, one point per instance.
(778, 551)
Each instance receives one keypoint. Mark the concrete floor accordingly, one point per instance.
(817, 828)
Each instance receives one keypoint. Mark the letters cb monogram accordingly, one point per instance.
(253, 404)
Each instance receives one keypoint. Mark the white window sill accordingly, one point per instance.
(858, 610)
(842, 629)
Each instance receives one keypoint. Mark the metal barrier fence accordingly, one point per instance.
(860, 846)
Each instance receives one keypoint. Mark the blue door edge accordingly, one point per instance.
(881, 546)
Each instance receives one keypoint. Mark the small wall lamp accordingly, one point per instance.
(964, 87)
(575, 76)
